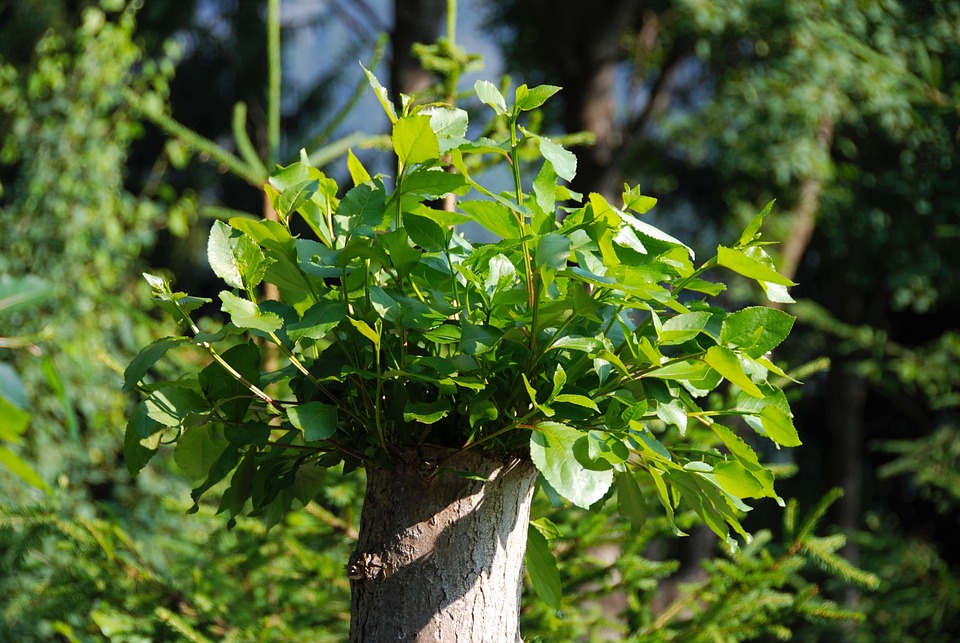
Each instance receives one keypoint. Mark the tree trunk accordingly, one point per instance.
(441, 558)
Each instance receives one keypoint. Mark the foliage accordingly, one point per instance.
(188, 582)
(567, 337)
(68, 219)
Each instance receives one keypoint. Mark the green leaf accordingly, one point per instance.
(140, 426)
(534, 97)
(235, 257)
(246, 314)
(542, 567)
(578, 400)
(403, 256)
(317, 420)
(738, 480)
(581, 344)
(545, 190)
(449, 124)
(318, 320)
(433, 183)
(223, 390)
(551, 448)
(482, 411)
(553, 250)
(425, 232)
(673, 413)
(683, 327)
(740, 263)
(197, 449)
(16, 465)
(725, 361)
(366, 331)
(488, 93)
(414, 140)
(476, 339)
(23, 292)
(13, 421)
(563, 160)
(634, 200)
(779, 426)
(171, 404)
(630, 501)
(362, 209)
(426, 412)
(754, 226)
(382, 95)
(493, 216)
(292, 198)
(741, 329)
(358, 173)
(146, 358)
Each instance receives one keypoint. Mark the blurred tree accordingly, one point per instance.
(848, 113)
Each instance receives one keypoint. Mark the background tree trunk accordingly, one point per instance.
(441, 558)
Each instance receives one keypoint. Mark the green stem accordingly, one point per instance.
(273, 82)
(201, 144)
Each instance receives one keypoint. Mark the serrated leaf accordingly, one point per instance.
(246, 314)
(366, 331)
(630, 501)
(683, 327)
(741, 329)
(235, 257)
(551, 448)
(673, 413)
(414, 140)
(146, 358)
(317, 420)
(488, 93)
(382, 95)
(493, 216)
(778, 426)
(295, 196)
(738, 480)
(725, 361)
(542, 567)
(563, 160)
(362, 209)
(740, 263)
(424, 232)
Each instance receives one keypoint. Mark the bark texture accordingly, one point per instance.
(441, 558)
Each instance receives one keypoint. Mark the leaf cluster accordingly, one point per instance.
(583, 337)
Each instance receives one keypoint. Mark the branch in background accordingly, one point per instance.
(198, 143)
(804, 214)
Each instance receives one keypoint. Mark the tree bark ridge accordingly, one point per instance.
(441, 558)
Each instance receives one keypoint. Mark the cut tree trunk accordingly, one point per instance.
(441, 558)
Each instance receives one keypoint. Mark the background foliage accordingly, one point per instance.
(844, 111)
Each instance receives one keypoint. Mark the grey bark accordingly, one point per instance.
(441, 558)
